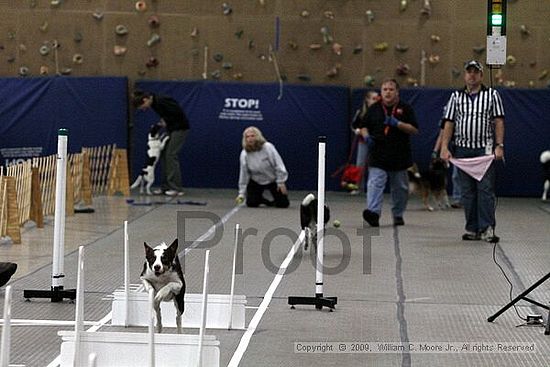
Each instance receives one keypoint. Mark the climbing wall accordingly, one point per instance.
(354, 42)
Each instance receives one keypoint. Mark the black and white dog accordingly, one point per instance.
(545, 160)
(162, 272)
(155, 144)
(308, 219)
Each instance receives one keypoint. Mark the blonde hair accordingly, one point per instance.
(258, 142)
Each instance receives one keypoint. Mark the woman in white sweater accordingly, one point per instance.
(261, 168)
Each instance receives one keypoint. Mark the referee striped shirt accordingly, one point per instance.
(473, 116)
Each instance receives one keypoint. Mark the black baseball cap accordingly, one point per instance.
(473, 64)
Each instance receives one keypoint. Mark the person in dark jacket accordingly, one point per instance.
(177, 126)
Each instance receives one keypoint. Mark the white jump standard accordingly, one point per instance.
(319, 300)
(57, 293)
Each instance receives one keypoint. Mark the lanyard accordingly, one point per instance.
(394, 108)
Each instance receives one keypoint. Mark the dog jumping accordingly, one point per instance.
(308, 219)
(155, 144)
(433, 183)
(162, 272)
(545, 160)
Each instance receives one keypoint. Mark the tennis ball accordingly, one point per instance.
(336, 223)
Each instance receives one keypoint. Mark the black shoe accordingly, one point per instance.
(268, 203)
(371, 218)
(471, 236)
(398, 221)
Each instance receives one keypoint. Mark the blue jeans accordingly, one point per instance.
(478, 198)
(360, 161)
(399, 187)
(457, 195)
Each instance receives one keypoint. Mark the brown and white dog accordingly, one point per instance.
(162, 272)
(432, 183)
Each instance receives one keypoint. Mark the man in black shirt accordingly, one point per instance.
(386, 128)
(177, 125)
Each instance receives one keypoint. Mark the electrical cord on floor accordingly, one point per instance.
(500, 267)
(494, 233)
(508, 280)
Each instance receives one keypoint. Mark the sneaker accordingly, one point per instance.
(456, 206)
(489, 235)
(173, 193)
(398, 221)
(354, 192)
(158, 192)
(471, 236)
(371, 218)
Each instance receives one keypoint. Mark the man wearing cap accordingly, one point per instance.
(474, 120)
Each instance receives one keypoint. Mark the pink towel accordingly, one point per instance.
(475, 167)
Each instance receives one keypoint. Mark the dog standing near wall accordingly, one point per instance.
(155, 144)
(545, 160)
(162, 272)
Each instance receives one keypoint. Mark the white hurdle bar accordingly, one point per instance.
(129, 306)
(6, 330)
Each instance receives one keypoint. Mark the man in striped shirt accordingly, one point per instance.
(474, 119)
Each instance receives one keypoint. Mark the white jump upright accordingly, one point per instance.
(6, 330)
(320, 220)
(151, 328)
(57, 292)
(126, 274)
(204, 307)
(92, 360)
(225, 311)
(59, 219)
(232, 292)
(79, 312)
(319, 300)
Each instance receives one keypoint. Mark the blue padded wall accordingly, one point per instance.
(95, 110)
(219, 112)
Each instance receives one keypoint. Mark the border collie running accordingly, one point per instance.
(162, 273)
